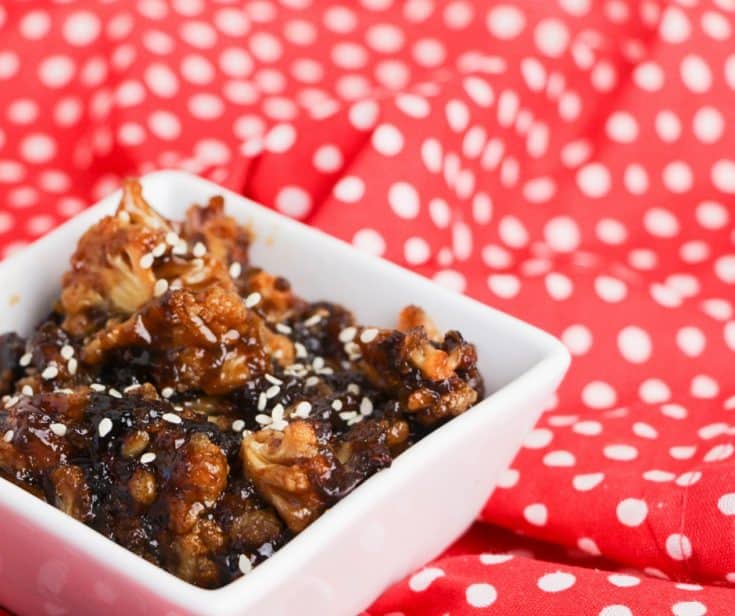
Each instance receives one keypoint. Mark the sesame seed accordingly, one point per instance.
(178, 408)
(146, 261)
(318, 363)
(244, 564)
(348, 415)
(337, 405)
(232, 334)
(114, 393)
(366, 406)
(272, 391)
(50, 373)
(65, 391)
(277, 413)
(262, 401)
(130, 388)
(354, 420)
(235, 270)
(313, 320)
(147, 458)
(67, 351)
(167, 392)
(27, 390)
(279, 425)
(59, 429)
(283, 328)
(176, 285)
(353, 388)
(104, 427)
(172, 238)
(181, 248)
(199, 250)
(71, 366)
(303, 409)
(171, 418)
(8, 436)
(159, 250)
(311, 381)
(300, 350)
(160, 287)
(238, 425)
(179, 442)
(347, 334)
(252, 300)
(271, 379)
(368, 335)
(326, 370)
(25, 360)
(97, 387)
(264, 420)
(11, 401)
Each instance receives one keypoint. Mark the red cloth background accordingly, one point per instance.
(570, 161)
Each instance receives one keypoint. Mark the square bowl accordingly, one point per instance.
(394, 522)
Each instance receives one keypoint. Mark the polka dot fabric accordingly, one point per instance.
(571, 162)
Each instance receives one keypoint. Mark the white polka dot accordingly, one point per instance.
(622, 580)
(587, 482)
(562, 234)
(558, 286)
(35, 25)
(536, 514)
(622, 453)
(708, 125)
(598, 395)
(588, 545)
(387, 140)
(634, 344)
(197, 69)
(265, 47)
(712, 215)
(556, 582)
(505, 21)
(293, 201)
(480, 595)
(429, 52)
(538, 438)
(682, 452)
(723, 175)
(422, 580)
(280, 138)
(512, 232)
(161, 80)
(416, 251)
(451, 279)
(689, 608)
(631, 512)
(615, 610)
(594, 180)
(695, 73)
(81, 29)
(55, 71)
(458, 115)
(508, 478)
(578, 339)
(551, 37)
(661, 222)
(206, 106)
(479, 91)
(648, 76)
(654, 391)
(688, 479)
(725, 268)
(658, 476)
(611, 231)
(328, 158)
(691, 341)
(504, 285)
(609, 289)
(704, 386)
(622, 127)
(38, 148)
(370, 241)
(349, 189)
(730, 334)
(404, 200)
(559, 458)
(413, 105)
(644, 430)
(726, 503)
(674, 26)
(716, 26)
(164, 125)
(570, 105)
(678, 177)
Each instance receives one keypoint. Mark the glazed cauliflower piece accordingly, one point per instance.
(433, 380)
(283, 465)
(108, 275)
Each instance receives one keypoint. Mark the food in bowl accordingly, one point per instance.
(190, 407)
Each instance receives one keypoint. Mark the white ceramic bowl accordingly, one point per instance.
(393, 523)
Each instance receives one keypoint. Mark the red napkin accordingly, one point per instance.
(571, 162)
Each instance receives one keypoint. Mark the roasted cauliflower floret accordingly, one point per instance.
(277, 298)
(223, 238)
(434, 381)
(282, 466)
(413, 316)
(203, 340)
(71, 492)
(109, 276)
